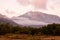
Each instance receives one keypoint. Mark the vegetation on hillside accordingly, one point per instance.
(50, 29)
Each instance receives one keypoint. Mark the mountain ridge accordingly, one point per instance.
(36, 18)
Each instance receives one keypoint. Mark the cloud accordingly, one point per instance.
(10, 11)
(39, 3)
(35, 3)
(24, 2)
(22, 6)
(53, 7)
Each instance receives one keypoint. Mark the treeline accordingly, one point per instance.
(50, 29)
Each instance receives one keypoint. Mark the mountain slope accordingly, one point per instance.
(36, 18)
(4, 20)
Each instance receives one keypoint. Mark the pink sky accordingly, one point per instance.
(12, 8)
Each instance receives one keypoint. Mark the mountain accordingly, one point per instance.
(36, 18)
(4, 20)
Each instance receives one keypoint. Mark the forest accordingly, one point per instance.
(50, 29)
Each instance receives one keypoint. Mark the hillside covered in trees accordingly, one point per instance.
(50, 29)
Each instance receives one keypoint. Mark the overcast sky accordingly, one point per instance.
(19, 7)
